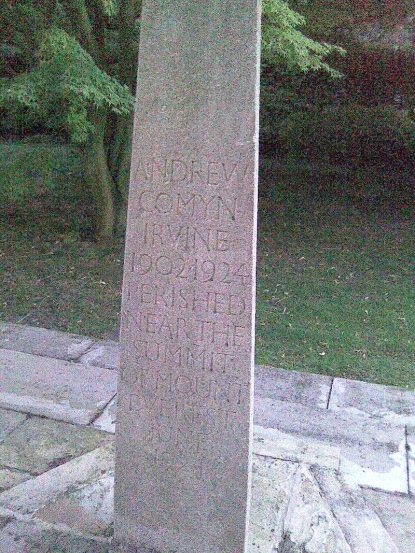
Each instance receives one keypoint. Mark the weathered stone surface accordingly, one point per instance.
(361, 526)
(9, 420)
(310, 524)
(88, 509)
(270, 442)
(106, 421)
(102, 354)
(54, 388)
(41, 444)
(34, 494)
(397, 513)
(34, 537)
(10, 478)
(40, 341)
(272, 483)
(393, 478)
(311, 390)
(184, 396)
(372, 453)
(387, 404)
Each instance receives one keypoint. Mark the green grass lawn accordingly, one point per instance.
(336, 281)
(335, 264)
(50, 277)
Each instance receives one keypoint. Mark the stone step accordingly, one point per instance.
(297, 508)
(54, 388)
(60, 345)
(374, 452)
(361, 526)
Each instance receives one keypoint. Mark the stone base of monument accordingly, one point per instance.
(300, 502)
(337, 476)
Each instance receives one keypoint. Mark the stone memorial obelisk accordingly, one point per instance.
(185, 392)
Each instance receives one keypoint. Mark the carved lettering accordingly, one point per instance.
(204, 172)
(203, 270)
(186, 299)
(189, 239)
(174, 421)
(194, 357)
(191, 205)
(173, 328)
(152, 385)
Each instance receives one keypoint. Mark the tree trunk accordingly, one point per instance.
(99, 180)
(121, 136)
(119, 160)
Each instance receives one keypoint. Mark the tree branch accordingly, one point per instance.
(98, 19)
(82, 28)
(130, 10)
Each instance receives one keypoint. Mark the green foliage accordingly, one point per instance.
(285, 92)
(111, 7)
(287, 55)
(32, 168)
(324, 16)
(64, 87)
(351, 133)
(84, 68)
(283, 43)
(22, 24)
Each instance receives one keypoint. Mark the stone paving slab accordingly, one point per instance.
(9, 420)
(397, 513)
(361, 526)
(33, 536)
(34, 494)
(40, 341)
(363, 430)
(391, 481)
(102, 354)
(270, 442)
(310, 525)
(10, 478)
(289, 510)
(373, 453)
(272, 483)
(106, 421)
(40, 444)
(88, 509)
(311, 390)
(54, 388)
(388, 404)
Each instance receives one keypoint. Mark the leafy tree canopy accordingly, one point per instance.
(70, 66)
(64, 85)
(283, 43)
(76, 67)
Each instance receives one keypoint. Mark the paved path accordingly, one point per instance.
(334, 459)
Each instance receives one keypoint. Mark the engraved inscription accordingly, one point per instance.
(148, 294)
(192, 205)
(190, 238)
(208, 172)
(149, 386)
(195, 269)
(186, 311)
(178, 328)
